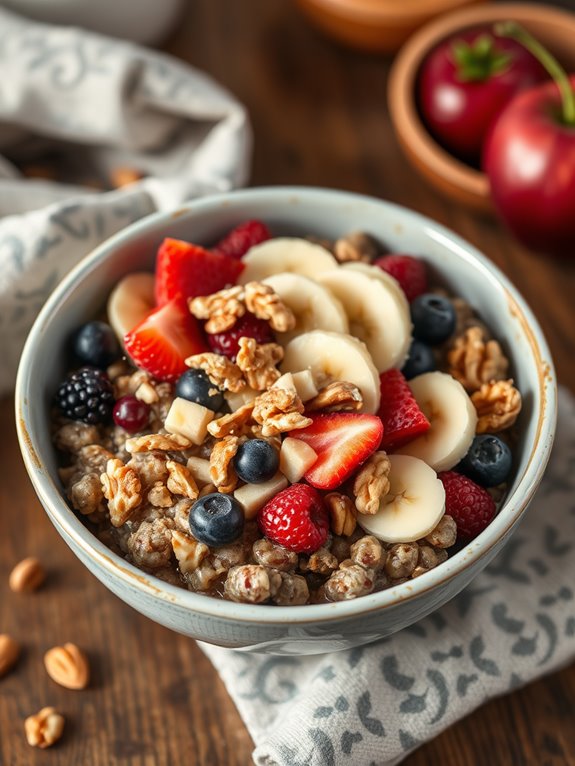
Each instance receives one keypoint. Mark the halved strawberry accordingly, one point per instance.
(402, 419)
(184, 270)
(342, 441)
(239, 240)
(164, 339)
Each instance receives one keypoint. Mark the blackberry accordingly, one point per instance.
(86, 395)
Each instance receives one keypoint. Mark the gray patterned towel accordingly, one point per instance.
(97, 104)
(371, 706)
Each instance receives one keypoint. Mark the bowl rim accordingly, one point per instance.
(70, 526)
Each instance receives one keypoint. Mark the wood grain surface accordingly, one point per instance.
(319, 117)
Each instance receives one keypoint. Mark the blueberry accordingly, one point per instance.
(419, 360)
(95, 343)
(433, 318)
(256, 461)
(488, 461)
(195, 386)
(216, 519)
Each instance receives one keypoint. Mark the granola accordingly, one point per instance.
(258, 363)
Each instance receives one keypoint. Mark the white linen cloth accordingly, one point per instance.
(104, 104)
(373, 705)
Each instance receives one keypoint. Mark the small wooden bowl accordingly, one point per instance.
(553, 27)
(379, 26)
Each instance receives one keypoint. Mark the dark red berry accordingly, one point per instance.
(248, 326)
(131, 414)
(239, 240)
(410, 272)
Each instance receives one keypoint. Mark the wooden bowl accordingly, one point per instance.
(380, 26)
(554, 27)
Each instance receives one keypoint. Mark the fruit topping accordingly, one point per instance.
(216, 519)
(433, 318)
(131, 414)
(195, 386)
(296, 518)
(164, 339)
(256, 461)
(95, 343)
(130, 302)
(420, 359)
(86, 395)
(239, 240)
(342, 441)
(488, 462)
(400, 414)
(291, 254)
(471, 506)
(247, 326)
(184, 270)
(410, 272)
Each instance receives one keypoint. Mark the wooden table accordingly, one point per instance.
(320, 118)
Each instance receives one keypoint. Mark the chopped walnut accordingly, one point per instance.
(321, 562)
(473, 360)
(180, 480)
(223, 373)
(122, 489)
(401, 560)
(263, 301)
(44, 728)
(368, 553)
(258, 362)
(292, 591)
(150, 467)
(221, 466)
(251, 583)
(444, 534)
(150, 546)
(349, 581)
(356, 246)
(86, 494)
(162, 442)
(275, 556)
(233, 424)
(372, 483)
(221, 309)
(71, 437)
(189, 552)
(339, 396)
(342, 513)
(159, 496)
(498, 404)
(279, 410)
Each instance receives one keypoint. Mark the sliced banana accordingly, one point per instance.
(130, 301)
(453, 419)
(314, 306)
(412, 508)
(376, 314)
(335, 356)
(376, 273)
(291, 254)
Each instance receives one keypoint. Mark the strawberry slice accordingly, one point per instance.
(184, 270)
(342, 441)
(239, 240)
(400, 414)
(164, 339)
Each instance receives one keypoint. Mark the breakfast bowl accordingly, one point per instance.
(468, 185)
(310, 628)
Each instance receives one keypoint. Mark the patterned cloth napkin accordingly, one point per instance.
(373, 705)
(97, 104)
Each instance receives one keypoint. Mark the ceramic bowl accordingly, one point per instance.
(553, 27)
(379, 26)
(293, 211)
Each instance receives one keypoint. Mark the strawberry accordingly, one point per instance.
(410, 272)
(239, 240)
(184, 270)
(399, 412)
(471, 506)
(163, 340)
(343, 441)
(248, 326)
(296, 518)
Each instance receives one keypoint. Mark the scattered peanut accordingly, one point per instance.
(9, 653)
(27, 576)
(68, 666)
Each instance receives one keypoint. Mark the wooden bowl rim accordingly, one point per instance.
(387, 10)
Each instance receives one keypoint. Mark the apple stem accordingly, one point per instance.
(556, 71)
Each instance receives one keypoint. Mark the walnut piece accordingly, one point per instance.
(263, 301)
(498, 404)
(279, 410)
(220, 370)
(162, 442)
(189, 552)
(221, 309)
(258, 363)
(342, 514)
(180, 480)
(372, 483)
(44, 728)
(233, 424)
(473, 360)
(122, 489)
(27, 576)
(339, 396)
(221, 467)
(68, 666)
(159, 496)
(356, 246)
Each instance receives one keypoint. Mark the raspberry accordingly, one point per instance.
(239, 240)
(248, 326)
(471, 506)
(296, 518)
(86, 395)
(410, 272)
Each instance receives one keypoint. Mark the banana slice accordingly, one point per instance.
(412, 508)
(297, 256)
(335, 356)
(314, 307)
(376, 313)
(452, 416)
(376, 273)
(130, 301)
